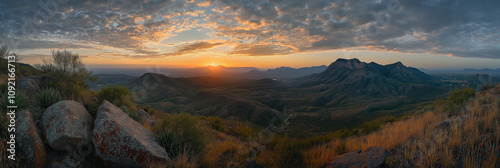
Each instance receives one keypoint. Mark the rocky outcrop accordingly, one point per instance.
(373, 157)
(146, 118)
(67, 124)
(29, 84)
(143, 114)
(123, 142)
(28, 140)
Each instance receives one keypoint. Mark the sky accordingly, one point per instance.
(431, 34)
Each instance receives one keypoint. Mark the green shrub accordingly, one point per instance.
(47, 98)
(132, 114)
(215, 122)
(186, 126)
(459, 96)
(455, 100)
(169, 141)
(20, 101)
(118, 95)
(148, 109)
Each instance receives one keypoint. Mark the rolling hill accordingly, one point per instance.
(346, 94)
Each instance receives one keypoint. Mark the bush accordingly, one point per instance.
(459, 96)
(68, 73)
(47, 98)
(486, 86)
(215, 122)
(132, 114)
(118, 95)
(187, 127)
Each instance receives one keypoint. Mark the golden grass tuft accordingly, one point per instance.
(220, 152)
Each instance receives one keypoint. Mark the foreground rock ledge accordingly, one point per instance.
(122, 141)
(29, 141)
(67, 124)
(373, 157)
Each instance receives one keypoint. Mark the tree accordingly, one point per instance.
(68, 73)
(4, 51)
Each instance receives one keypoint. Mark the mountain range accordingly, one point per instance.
(344, 94)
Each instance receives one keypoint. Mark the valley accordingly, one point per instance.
(347, 94)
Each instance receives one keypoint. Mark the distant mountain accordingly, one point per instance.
(350, 71)
(345, 79)
(285, 72)
(109, 80)
(482, 71)
(213, 71)
(344, 94)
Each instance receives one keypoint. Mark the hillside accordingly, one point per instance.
(249, 123)
(345, 95)
(284, 72)
(465, 137)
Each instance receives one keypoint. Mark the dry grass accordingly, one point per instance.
(394, 135)
(430, 139)
(424, 143)
(186, 159)
(320, 155)
(219, 153)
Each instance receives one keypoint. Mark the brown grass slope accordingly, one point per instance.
(468, 138)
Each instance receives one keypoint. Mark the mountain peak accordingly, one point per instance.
(348, 63)
(399, 63)
(347, 60)
(353, 70)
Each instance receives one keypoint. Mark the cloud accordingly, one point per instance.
(126, 24)
(336, 24)
(261, 27)
(260, 50)
(196, 46)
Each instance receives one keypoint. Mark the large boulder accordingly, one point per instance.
(373, 157)
(29, 142)
(28, 84)
(122, 141)
(66, 125)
